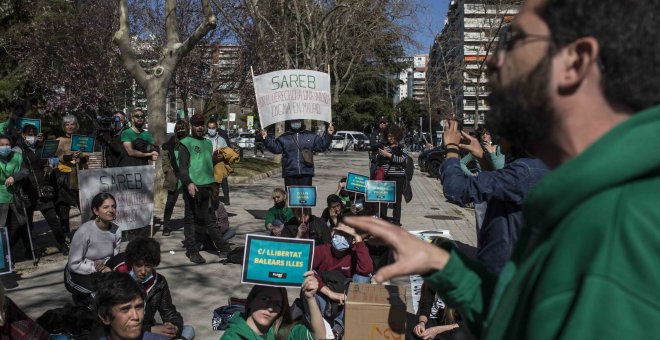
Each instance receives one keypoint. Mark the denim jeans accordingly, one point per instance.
(188, 332)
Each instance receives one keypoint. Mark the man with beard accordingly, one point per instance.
(504, 190)
(131, 138)
(200, 191)
(297, 146)
(574, 82)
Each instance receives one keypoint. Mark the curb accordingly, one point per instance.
(252, 179)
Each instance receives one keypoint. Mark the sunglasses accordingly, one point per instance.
(509, 38)
(139, 116)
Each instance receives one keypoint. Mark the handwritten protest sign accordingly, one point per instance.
(25, 121)
(132, 187)
(302, 197)
(49, 149)
(292, 94)
(276, 261)
(82, 143)
(381, 191)
(416, 281)
(356, 183)
(5, 253)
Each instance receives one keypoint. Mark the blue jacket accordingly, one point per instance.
(292, 161)
(504, 190)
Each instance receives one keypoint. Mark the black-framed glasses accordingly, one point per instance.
(139, 116)
(508, 38)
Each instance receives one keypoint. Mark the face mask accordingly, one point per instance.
(280, 204)
(212, 132)
(5, 150)
(146, 279)
(30, 140)
(296, 125)
(181, 134)
(339, 242)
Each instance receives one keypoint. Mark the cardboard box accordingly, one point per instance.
(375, 312)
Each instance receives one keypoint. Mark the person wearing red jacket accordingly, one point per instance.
(347, 254)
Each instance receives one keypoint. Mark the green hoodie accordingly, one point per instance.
(237, 328)
(587, 263)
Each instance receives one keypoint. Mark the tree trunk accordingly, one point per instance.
(156, 97)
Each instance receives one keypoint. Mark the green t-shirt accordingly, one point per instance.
(129, 135)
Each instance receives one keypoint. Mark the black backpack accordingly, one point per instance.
(410, 168)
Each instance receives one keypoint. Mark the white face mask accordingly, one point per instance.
(212, 132)
(30, 140)
(5, 150)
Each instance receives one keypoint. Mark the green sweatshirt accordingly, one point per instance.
(275, 213)
(238, 329)
(587, 263)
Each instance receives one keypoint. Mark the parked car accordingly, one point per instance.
(244, 140)
(423, 157)
(350, 140)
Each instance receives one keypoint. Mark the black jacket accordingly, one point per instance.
(159, 299)
(290, 145)
(318, 230)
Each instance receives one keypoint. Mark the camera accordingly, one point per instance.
(106, 124)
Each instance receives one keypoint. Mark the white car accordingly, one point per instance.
(350, 140)
(244, 140)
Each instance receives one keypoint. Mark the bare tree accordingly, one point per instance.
(156, 79)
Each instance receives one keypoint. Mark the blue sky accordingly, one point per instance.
(430, 19)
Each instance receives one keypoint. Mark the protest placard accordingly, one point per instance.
(381, 191)
(356, 183)
(25, 121)
(276, 261)
(292, 94)
(132, 187)
(301, 197)
(49, 150)
(82, 143)
(5, 260)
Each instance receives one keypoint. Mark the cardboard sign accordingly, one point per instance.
(356, 183)
(132, 187)
(375, 312)
(82, 143)
(5, 253)
(276, 261)
(25, 121)
(293, 94)
(49, 149)
(381, 191)
(301, 197)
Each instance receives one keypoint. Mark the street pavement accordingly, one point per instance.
(198, 289)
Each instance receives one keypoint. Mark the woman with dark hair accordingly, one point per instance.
(93, 244)
(268, 316)
(394, 157)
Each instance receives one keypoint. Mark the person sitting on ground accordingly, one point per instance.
(11, 316)
(140, 260)
(94, 242)
(268, 316)
(435, 320)
(348, 257)
(345, 196)
(334, 212)
(306, 225)
(279, 213)
(119, 304)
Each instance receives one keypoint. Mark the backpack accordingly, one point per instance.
(222, 314)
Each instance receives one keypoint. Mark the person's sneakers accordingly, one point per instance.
(64, 249)
(194, 257)
(224, 248)
(166, 231)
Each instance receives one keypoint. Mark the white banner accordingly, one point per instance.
(132, 187)
(293, 94)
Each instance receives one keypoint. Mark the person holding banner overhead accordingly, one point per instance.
(65, 177)
(268, 315)
(394, 169)
(196, 160)
(297, 147)
(36, 187)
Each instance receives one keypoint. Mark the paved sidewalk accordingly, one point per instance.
(198, 289)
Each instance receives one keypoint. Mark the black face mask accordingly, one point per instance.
(280, 204)
(181, 135)
(138, 125)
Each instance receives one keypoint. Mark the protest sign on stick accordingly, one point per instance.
(132, 187)
(293, 94)
(356, 183)
(301, 197)
(276, 261)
